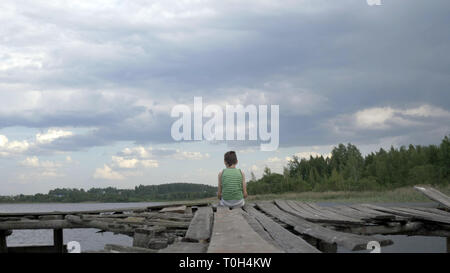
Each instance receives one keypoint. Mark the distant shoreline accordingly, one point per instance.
(399, 195)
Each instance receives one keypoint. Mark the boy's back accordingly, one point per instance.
(232, 184)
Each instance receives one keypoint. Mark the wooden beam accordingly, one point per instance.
(116, 210)
(116, 228)
(435, 195)
(37, 224)
(177, 209)
(412, 213)
(448, 244)
(58, 242)
(3, 244)
(33, 249)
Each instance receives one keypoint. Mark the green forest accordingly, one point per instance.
(348, 170)
(163, 192)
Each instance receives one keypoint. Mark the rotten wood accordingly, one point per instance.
(201, 225)
(347, 240)
(288, 241)
(435, 195)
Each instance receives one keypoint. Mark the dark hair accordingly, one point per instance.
(230, 158)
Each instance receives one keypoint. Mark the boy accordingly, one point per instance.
(232, 186)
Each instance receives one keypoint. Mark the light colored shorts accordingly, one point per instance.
(232, 203)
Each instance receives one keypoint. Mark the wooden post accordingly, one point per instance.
(3, 244)
(448, 244)
(58, 242)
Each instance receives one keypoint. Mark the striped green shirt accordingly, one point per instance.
(232, 184)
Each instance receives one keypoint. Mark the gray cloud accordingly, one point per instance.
(114, 67)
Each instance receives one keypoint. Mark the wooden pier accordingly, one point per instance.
(268, 226)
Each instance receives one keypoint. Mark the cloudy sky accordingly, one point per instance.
(86, 87)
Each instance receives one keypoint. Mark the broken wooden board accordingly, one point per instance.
(233, 234)
(288, 241)
(178, 209)
(201, 225)
(347, 240)
(259, 228)
(412, 214)
(306, 211)
(185, 247)
(435, 195)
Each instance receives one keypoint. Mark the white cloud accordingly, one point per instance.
(52, 135)
(107, 173)
(31, 162)
(307, 155)
(182, 155)
(132, 163)
(8, 148)
(35, 162)
(384, 118)
(39, 168)
(149, 163)
(16, 147)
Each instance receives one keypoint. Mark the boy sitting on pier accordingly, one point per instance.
(232, 188)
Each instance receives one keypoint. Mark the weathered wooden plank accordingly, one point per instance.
(201, 225)
(435, 211)
(143, 236)
(306, 212)
(435, 195)
(258, 227)
(393, 228)
(232, 234)
(303, 211)
(177, 209)
(113, 210)
(288, 241)
(111, 248)
(376, 215)
(331, 215)
(362, 214)
(116, 228)
(37, 224)
(185, 247)
(426, 215)
(347, 240)
(347, 211)
(412, 214)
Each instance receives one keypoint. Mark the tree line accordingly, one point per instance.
(141, 193)
(348, 170)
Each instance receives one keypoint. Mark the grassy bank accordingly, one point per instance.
(400, 195)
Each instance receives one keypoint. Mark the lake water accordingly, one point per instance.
(91, 239)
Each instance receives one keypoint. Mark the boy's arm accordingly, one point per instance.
(219, 186)
(244, 185)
